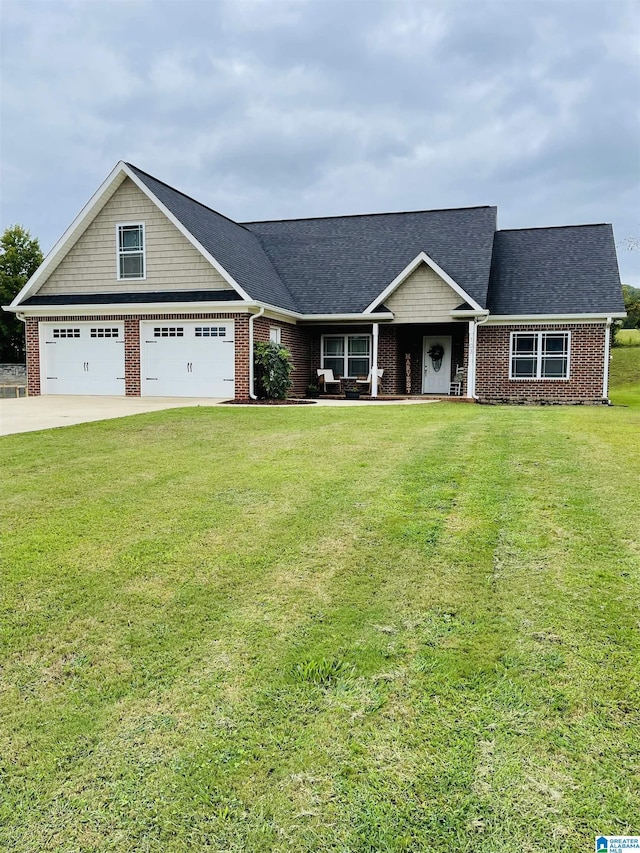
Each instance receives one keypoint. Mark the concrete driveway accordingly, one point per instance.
(27, 414)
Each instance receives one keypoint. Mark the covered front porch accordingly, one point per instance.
(416, 359)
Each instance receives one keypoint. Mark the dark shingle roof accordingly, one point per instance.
(233, 246)
(133, 298)
(341, 264)
(568, 269)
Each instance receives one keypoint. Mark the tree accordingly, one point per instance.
(631, 306)
(20, 257)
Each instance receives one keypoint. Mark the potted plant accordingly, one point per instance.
(352, 394)
(312, 391)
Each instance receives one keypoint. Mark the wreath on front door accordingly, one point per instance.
(436, 354)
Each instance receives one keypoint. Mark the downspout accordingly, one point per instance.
(473, 354)
(607, 356)
(252, 317)
(374, 361)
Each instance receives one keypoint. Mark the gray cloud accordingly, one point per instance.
(268, 109)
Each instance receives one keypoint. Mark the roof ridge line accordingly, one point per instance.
(362, 215)
(190, 197)
(552, 227)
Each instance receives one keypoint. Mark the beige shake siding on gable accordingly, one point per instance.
(423, 297)
(172, 263)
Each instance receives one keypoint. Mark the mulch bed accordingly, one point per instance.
(270, 402)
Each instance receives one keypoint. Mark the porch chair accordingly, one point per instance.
(364, 385)
(326, 378)
(455, 388)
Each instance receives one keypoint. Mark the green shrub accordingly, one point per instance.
(273, 369)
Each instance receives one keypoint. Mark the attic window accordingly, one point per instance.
(131, 259)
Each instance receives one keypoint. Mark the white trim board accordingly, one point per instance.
(422, 258)
(530, 319)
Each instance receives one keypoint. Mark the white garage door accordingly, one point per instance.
(83, 358)
(192, 359)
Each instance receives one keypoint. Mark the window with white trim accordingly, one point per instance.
(540, 355)
(275, 335)
(131, 257)
(347, 355)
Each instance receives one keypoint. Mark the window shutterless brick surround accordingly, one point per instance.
(584, 384)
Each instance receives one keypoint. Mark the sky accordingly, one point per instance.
(270, 109)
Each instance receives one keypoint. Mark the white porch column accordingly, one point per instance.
(374, 361)
(471, 377)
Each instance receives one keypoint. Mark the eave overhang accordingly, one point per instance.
(595, 317)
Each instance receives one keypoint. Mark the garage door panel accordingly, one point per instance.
(191, 359)
(83, 358)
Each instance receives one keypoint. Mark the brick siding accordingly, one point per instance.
(297, 341)
(33, 356)
(585, 372)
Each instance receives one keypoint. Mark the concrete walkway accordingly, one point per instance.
(28, 414)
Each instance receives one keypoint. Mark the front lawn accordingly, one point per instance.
(624, 379)
(371, 629)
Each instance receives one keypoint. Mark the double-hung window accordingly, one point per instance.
(131, 260)
(540, 355)
(347, 355)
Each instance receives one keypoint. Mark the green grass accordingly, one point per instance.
(371, 629)
(624, 377)
(628, 337)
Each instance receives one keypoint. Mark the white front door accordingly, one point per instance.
(436, 372)
(82, 358)
(187, 359)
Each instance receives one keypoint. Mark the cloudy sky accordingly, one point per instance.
(265, 109)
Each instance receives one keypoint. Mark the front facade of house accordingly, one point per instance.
(151, 293)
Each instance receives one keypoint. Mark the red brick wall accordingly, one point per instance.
(585, 371)
(296, 340)
(33, 357)
(132, 357)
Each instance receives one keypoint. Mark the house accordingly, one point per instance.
(150, 292)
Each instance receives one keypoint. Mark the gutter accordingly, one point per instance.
(252, 317)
